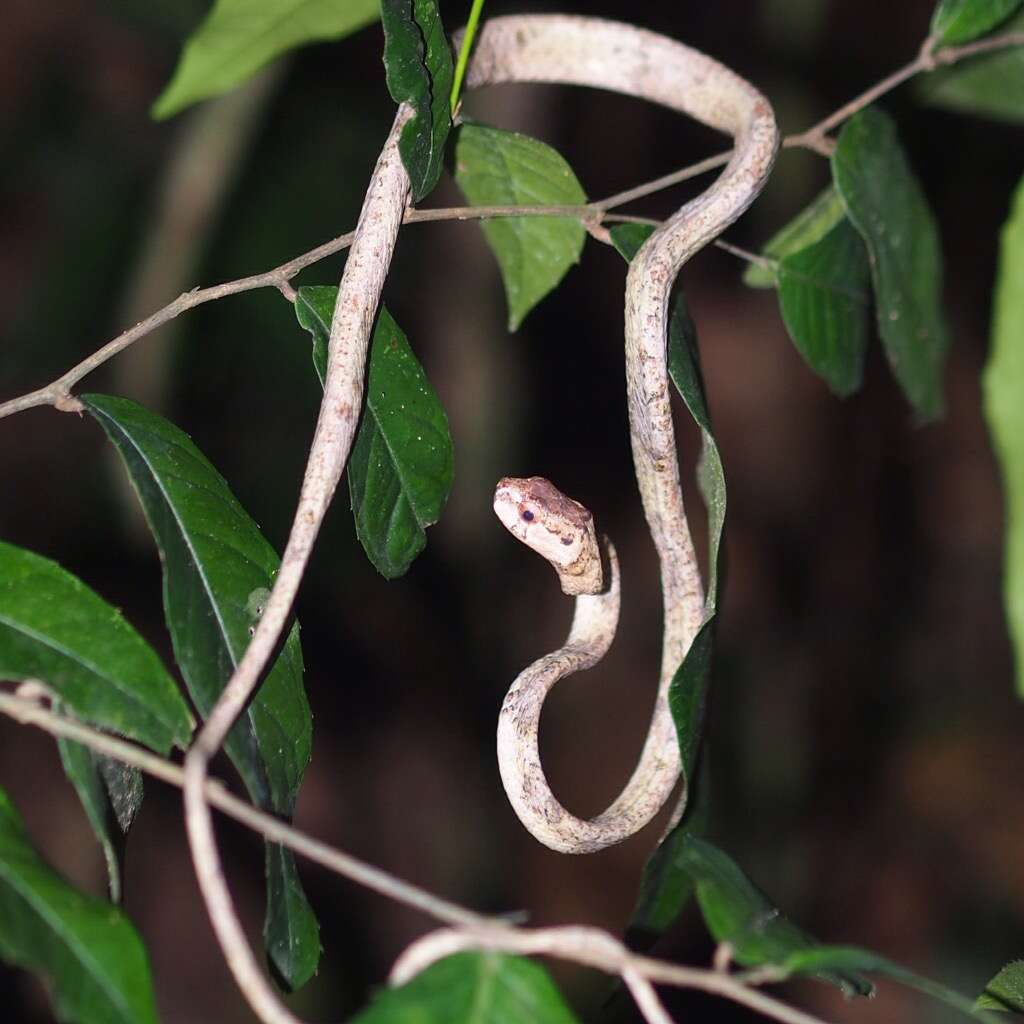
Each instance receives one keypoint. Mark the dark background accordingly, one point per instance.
(864, 737)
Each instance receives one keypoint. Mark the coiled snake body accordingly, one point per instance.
(608, 55)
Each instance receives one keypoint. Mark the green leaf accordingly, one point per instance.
(960, 21)
(886, 205)
(218, 571)
(87, 949)
(419, 69)
(238, 37)
(850, 958)
(53, 628)
(627, 238)
(990, 85)
(1003, 389)
(110, 794)
(472, 988)
(737, 912)
(810, 225)
(499, 168)
(400, 470)
(824, 301)
(1005, 991)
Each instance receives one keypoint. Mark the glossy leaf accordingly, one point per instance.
(737, 912)
(960, 21)
(990, 85)
(91, 956)
(499, 168)
(886, 205)
(110, 794)
(53, 628)
(1005, 991)
(472, 988)
(1003, 388)
(218, 571)
(419, 70)
(238, 37)
(400, 470)
(810, 225)
(825, 301)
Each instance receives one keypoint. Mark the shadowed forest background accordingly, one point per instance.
(864, 740)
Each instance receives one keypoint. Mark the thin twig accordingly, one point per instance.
(927, 60)
(31, 712)
(815, 138)
(589, 947)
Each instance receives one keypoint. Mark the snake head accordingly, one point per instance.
(559, 529)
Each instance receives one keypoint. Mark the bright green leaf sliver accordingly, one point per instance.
(810, 225)
(886, 205)
(1003, 384)
(86, 948)
(218, 571)
(960, 21)
(419, 70)
(472, 988)
(1005, 991)
(401, 467)
(238, 37)
(499, 168)
(53, 628)
(989, 85)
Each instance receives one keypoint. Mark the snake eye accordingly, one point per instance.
(527, 515)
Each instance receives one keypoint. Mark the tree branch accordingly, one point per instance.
(588, 947)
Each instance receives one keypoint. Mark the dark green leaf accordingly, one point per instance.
(1003, 388)
(472, 988)
(110, 794)
(499, 168)
(400, 469)
(665, 885)
(738, 913)
(810, 225)
(218, 571)
(1005, 991)
(990, 85)
(886, 205)
(53, 628)
(960, 21)
(824, 300)
(238, 37)
(851, 959)
(627, 238)
(419, 69)
(86, 948)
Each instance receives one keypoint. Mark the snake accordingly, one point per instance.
(570, 50)
(623, 58)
